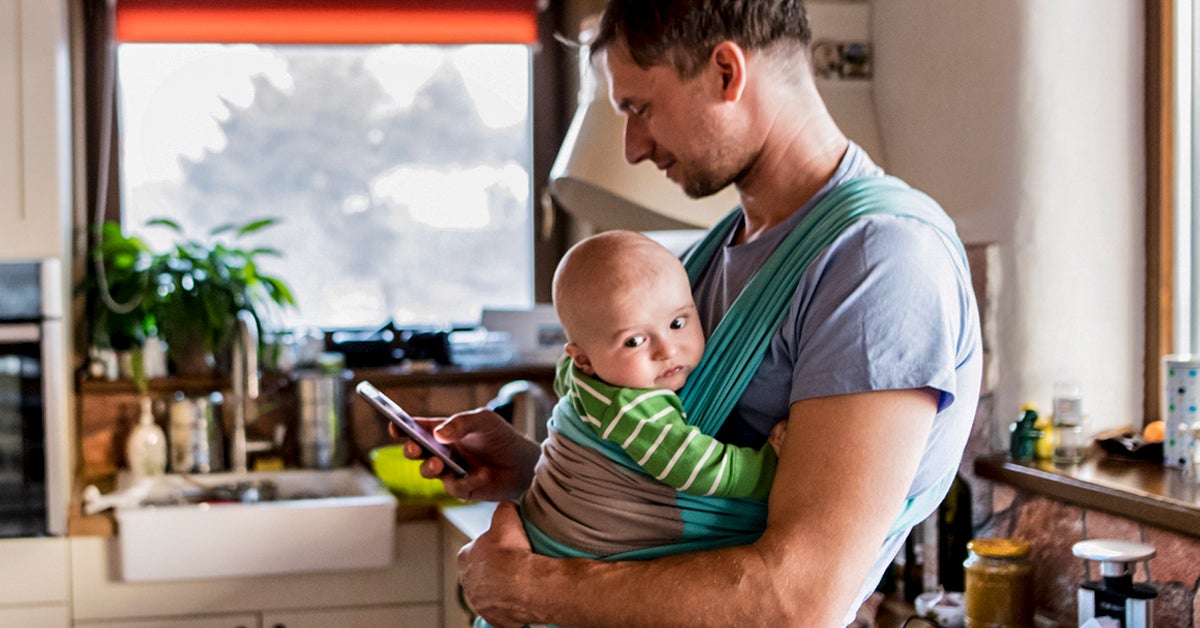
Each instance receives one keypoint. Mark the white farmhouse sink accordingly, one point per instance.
(210, 526)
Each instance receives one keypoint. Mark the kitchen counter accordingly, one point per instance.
(1139, 490)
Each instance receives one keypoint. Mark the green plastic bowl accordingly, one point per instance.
(403, 476)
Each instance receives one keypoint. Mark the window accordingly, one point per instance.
(1186, 182)
(1170, 193)
(391, 139)
(401, 174)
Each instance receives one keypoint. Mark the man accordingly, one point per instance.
(876, 365)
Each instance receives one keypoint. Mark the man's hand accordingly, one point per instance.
(488, 565)
(499, 461)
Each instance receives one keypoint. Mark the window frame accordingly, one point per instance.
(1160, 115)
(94, 49)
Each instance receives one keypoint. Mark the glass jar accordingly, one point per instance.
(999, 584)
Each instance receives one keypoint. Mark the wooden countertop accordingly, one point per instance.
(1143, 491)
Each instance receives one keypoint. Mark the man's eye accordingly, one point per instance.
(679, 323)
(635, 341)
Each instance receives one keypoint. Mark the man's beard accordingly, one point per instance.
(705, 185)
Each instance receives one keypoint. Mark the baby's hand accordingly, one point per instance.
(776, 436)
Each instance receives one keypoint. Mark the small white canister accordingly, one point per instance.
(1181, 384)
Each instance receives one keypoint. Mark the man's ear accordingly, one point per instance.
(580, 359)
(729, 61)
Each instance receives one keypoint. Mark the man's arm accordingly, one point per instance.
(836, 493)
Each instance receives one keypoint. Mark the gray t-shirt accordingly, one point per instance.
(888, 306)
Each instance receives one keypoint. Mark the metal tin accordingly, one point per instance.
(196, 439)
(999, 584)
(321, 409)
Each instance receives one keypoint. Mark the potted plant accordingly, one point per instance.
(189, 294)
(116, 287)
(200, 285)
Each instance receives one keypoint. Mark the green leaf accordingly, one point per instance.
(165, 222)
(255, 225)
(224, 228)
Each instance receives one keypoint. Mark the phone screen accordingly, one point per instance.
(394, 413)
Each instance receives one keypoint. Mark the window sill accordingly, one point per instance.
(1141, 491)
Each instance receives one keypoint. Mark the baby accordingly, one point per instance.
(634, 336)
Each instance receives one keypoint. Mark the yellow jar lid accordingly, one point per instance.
(998, 548)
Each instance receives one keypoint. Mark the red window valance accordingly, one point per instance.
(327, 21)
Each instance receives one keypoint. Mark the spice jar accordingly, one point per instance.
(999, 584)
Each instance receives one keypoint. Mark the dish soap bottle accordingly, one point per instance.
(146, 448)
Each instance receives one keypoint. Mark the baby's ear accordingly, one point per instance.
(580, 358)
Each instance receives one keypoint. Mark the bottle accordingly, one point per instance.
(1023, 435)
(1070, 437)
(146, 447)
(954, 528)
(913, 577)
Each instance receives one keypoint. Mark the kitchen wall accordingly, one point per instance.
(1024, 118)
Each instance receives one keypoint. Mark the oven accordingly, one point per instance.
(34, 482)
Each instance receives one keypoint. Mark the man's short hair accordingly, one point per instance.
(682, 33)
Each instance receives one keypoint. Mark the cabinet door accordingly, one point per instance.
(242, 620)
(412, 580)
(455, 612)
(35, 128)
(39, 617)
(34, 572)
(10, 111)
(410, 616)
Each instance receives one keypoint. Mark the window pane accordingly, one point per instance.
(401, 174)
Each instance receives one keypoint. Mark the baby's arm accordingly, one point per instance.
(649, 425)
(775, 438)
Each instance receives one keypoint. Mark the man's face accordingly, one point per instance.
(675, 123)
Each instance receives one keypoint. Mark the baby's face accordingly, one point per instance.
(645, 337)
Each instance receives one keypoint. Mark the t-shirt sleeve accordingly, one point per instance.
(885, 310)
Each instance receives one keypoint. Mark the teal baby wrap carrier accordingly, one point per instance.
(736, 349)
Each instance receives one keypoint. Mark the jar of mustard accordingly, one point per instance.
(998, 583)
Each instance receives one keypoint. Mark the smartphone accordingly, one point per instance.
(394, 413)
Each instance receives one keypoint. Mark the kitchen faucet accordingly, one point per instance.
(245, 385)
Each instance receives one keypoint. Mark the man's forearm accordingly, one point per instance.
(726, 587)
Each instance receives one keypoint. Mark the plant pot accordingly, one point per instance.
(192, 359)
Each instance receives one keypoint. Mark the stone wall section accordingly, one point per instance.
(1052, 527)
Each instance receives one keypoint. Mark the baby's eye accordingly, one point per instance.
(679, 322)
(635, 341)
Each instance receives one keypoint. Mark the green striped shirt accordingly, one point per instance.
(650, 425)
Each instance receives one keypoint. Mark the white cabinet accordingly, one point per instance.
(414, 616)
(36, 617)
(34, 583)
(35, 129)
(461, 524)
(455, 612)
(243, 620)
(407, 593)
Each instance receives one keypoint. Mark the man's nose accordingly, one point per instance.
(638, 145)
